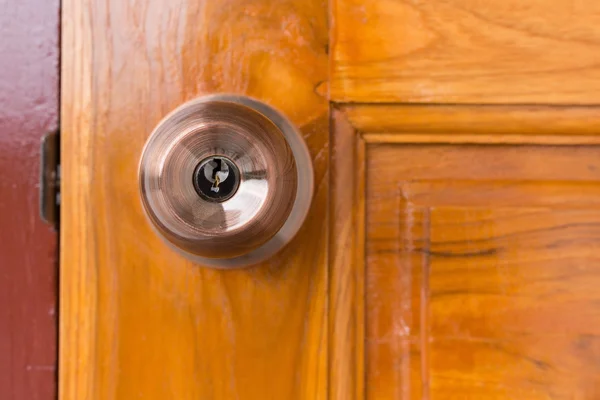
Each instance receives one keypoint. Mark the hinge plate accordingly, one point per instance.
(50, 179)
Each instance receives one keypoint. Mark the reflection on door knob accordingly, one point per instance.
(226, 180)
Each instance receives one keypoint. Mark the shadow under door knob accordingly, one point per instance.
(226, 180)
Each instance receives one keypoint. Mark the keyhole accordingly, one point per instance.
(216, 171)
(216, 178)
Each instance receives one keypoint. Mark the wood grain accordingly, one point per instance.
(137, 320)
(29, 73)
(477, 121)
(482, 271)
(347, 261)
(466, 51)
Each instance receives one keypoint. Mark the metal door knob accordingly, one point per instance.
(226, 180)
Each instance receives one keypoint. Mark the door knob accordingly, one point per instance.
(226, 180)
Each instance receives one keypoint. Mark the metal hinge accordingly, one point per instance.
(50, 179)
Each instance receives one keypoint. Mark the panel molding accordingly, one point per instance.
(442, 138)
(347, 260)
(457, 123)
(355, 127)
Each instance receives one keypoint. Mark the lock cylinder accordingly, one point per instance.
(226, 180)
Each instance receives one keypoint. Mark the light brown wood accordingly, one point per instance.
(475, 120)
(136, 319)
(481, 277)
(466, 51)
(450, 249)
(347, 261)
(477, 265)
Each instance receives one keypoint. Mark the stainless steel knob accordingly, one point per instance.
(226, 180)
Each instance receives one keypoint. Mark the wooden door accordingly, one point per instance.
(451, 248)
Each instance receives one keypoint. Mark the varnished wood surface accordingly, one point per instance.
(455, 271)
(466, 51)
(481, 272)
(499, 121)
(346, 260)
(137, 320)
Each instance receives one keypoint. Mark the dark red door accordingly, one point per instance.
(29, 61)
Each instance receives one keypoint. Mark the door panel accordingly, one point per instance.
(467, 299)
(137, 319)
(473, 267)
(466, 51)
